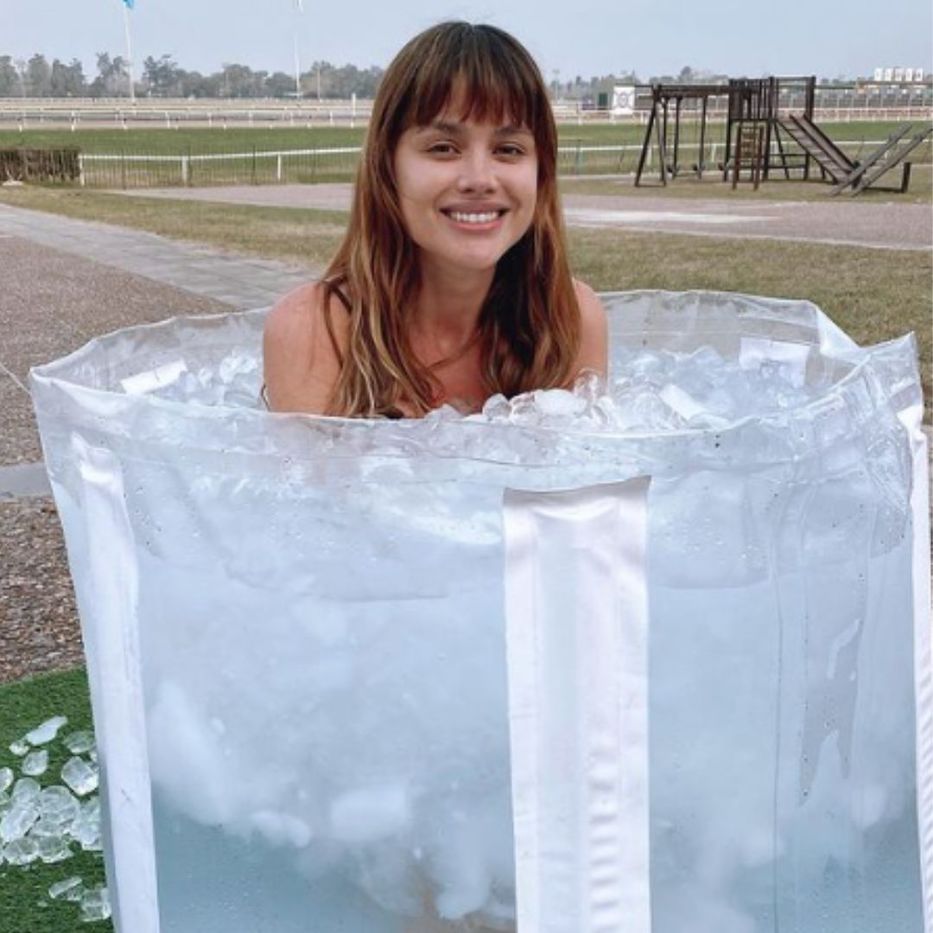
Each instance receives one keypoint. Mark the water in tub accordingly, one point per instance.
(782, 794)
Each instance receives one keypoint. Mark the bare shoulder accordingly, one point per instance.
(300, 361)
(594, 337)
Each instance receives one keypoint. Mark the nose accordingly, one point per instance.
(477, 172)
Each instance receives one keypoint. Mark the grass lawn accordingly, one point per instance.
(243, 139)
(25, 905)
(874, 295)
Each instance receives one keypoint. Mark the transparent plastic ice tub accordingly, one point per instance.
(295, 627)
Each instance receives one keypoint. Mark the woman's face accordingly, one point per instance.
(467, 190)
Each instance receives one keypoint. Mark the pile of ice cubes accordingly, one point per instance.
(656, 390)
(50, 823)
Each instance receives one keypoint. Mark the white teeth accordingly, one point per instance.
(485, 218)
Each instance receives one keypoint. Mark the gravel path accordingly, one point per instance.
(881, 225)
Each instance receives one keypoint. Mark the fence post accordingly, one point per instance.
(278, 167)
(254, 166)
(81, 179)
(123, 168)
(184, 171)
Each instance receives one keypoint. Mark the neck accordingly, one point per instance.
(447, 310)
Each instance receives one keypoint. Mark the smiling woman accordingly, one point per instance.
(452, 283)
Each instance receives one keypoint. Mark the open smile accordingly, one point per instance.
(475, 218)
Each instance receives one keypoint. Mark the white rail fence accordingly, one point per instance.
(131, 170)
(26, 114)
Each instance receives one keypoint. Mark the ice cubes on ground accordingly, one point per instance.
(36, 763)
(69, 889)
(80, 776)
(44, 733)
(79, 743)
(7, 776)
(22, 851)
(95, 905)
(19, 748)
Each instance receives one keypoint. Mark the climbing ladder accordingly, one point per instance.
(749, 151)
(848, 173)
(894, 151)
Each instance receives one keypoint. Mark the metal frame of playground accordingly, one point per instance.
(763, 138)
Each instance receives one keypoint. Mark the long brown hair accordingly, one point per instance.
(529, 325)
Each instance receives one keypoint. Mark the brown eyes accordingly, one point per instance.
(507, 150)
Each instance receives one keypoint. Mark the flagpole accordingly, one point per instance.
(300, 10)
(129, 51)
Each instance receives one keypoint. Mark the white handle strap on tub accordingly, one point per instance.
(112, 645)
(911, 418)
(576, 617)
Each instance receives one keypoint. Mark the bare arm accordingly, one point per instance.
(594, 343)
(300, 362)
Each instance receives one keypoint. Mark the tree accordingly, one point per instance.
(163, 76)
(112, 77)
(68, 80)
(280, 84)
(242, 81)
(38, 77)
(9, 77)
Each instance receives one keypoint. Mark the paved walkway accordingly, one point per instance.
(234, 280)
(878, 225)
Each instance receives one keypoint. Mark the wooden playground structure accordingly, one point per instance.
(763, 139)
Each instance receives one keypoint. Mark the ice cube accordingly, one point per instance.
(370, 813)
(86, 827)
(47, 828)
(95, 905)
(80, 776)
(79, 743)
(36, 763)
(57, 805)
(524, 411)
(25, 789)
(6, 779)
(69, 889)
(18, 820)
(497, 408)
(21, 851)
(44, 733)
(559, 403)
(52, 849)
(282, 829)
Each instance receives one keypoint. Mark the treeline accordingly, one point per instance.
(162, 77)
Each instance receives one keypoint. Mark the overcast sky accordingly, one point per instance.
(585, 37)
